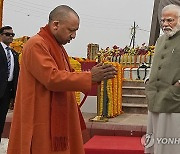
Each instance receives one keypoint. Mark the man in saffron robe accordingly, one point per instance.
(46, 118)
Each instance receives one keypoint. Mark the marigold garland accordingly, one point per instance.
(77, 67)
(110, 98)
(119, 89)
(114, 93)
(101, 98)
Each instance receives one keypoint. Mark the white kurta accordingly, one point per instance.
(165, 128)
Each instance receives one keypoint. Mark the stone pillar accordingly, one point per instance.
(92, 50)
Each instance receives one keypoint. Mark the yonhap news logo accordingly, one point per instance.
(148, 140)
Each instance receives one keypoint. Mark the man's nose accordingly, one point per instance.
(165, 23)
(73, 35)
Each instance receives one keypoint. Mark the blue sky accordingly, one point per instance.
(105, 22)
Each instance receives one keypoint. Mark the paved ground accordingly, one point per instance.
(129, 121)
(123, 119)
(122, 125)
(3, 145)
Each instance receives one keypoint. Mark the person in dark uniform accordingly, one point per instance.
(9, 70)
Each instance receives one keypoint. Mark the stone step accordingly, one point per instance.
(134, 108)
(134, 96)
(129, 87)
(123, 125)
(133, 90)
(137, 83)
(136, 99)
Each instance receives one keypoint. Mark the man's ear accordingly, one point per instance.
(55, 25)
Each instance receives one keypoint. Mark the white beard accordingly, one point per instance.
(169, 32)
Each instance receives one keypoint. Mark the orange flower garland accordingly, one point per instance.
(101, 98)
(77, 67)
(119, 89)
(114, 93)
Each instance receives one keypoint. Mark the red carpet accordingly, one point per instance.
(114, 145)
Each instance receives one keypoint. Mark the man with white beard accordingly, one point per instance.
(163, 88)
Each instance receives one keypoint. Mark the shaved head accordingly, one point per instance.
(61, 13)
(63, 24)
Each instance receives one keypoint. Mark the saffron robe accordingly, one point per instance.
(39, 75)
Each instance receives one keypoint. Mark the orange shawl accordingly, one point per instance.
(59, 106)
